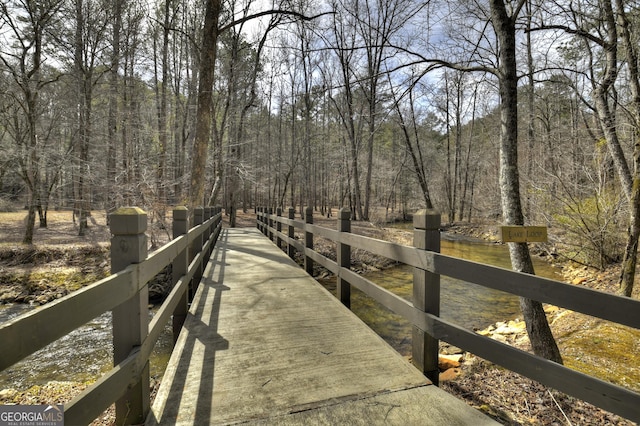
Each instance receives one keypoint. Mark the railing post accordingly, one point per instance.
(291, 233)
(308, 240)
(206, 217)
(131, 318)
(265, 230)
(343, 288)
(426, 293)
(198, 216)
(260, 220)
(279, 228)
(270, 212)
(217, 212)
(179, 268)
(212, 229)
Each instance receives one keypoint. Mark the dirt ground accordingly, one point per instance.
(509, 398)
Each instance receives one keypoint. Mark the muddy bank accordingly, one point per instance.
(40, 274)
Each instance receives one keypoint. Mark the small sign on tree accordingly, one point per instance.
(523, 234)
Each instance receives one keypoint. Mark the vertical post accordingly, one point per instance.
(207, 233)
(270, 212)
(131, 318)
(212, 229)
(308, 240)
(261, 219)
(426, 293)
(179, 268)
(291, 233)
(279, 228)
(343, 288)
(258, 218)
(217, 226)
(198, 216)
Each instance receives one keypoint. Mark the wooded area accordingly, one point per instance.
(526, 112)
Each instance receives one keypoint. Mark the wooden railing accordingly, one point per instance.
(423, 313)
(125, 293)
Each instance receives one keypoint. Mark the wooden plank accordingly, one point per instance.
(292, 222)
(397, 252)
(388, 299)
(94, 400)
(622, 310)
(160, 259)
(605, 395)
(591, 302)
(299, 246)
(32, 331)
(325, 262)
(319, 231)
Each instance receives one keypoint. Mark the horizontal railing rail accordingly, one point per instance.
(428, 266)
(26, 334)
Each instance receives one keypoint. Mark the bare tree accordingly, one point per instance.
(378, 22)
(27, 25)
(413, 142)
(112, 118)
(631, 250)
(502, 17)
(604, 31)
(89, 28)
(344, 44)
(504, 24)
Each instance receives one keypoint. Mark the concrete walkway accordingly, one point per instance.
(264, 343)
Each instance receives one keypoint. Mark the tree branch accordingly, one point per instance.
(569, 30)
(297, 15)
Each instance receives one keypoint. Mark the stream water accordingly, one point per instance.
(86, 353)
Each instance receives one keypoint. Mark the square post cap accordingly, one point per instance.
(128, 221)
(426, 219)
(180, 213)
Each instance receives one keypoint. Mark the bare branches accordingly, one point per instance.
(291, 13)
(575, 31)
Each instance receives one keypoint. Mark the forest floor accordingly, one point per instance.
(60, 262)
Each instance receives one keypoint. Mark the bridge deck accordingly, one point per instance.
(264, 343)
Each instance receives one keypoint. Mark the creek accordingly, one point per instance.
(86, 353)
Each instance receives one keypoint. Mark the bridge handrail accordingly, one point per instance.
(619, 309)
(33, 330)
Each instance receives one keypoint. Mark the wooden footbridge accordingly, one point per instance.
(258, 341)
(265, 343)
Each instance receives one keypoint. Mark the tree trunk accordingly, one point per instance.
(540, 335)
(205, 96)
(161, 104)
(112, 119)
(602, 92)
(631, 250)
